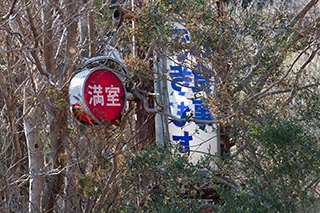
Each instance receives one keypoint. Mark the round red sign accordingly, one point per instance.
(104, 95)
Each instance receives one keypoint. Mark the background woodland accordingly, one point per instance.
(264, 60)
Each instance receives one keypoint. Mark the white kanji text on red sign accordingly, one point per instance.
(107, 96)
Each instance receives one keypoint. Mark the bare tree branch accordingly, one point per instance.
(266, 92)
(91, 30)
(280, 91)
(71, 38)
(302, 13)
(36, 38)
(48, 49)
(13, 4)
(162, 111)
(295, 36)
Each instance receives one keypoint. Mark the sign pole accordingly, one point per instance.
(161, 91)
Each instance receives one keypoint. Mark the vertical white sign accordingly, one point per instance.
(186, 100)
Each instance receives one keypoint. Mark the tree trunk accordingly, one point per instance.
(32, 122)
(57, 126)
(71, 196)
(145, 122)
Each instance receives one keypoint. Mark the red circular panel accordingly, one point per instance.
(104, 95)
